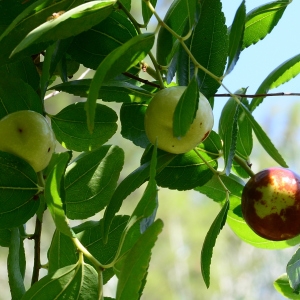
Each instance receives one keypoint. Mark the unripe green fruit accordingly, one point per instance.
(271, 204)
(159, 121)
(28, 135)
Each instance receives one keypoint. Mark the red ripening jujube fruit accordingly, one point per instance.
(271, 204)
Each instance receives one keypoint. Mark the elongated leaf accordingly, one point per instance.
(186, 109)
(129, 184)
(5, 237)
(180, 17)
(146, 12)
(70, 128)
(209, 45)
(228, 130)
(210, 241)
(264, 139)
(118, 61)
(90, 192)
(283, 73)
(54, 193)
(79, 281)
(106, 36)
(136, 264)
(17, 95)
(68, 24)
(30, 18)
(111, 91)
(283, 287)
(293, 272)
(15, 277)
(236, 35)
(261, 20)
(18, 189)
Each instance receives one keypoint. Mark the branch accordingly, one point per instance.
(258, 95)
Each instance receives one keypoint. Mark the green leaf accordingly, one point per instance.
(263, 138)
(118, 61)
(129, 184)
(111, 91)
(70, 23)
(187, 170)
(236, 35)
(146, 12)
(106, 36)
(261, 20)
(283, 287)
(186, 109)
(29, 18)
(180, 17)
(18, 189)
(54, 193)
(90, 181)
(70, 128)
(210, 241)
(5, 237)
(209, 45)
(23, 69)
(17, 95)
(280, 75)
(228, 130)
(79, 281)
(136, 264)
(15, 277)
(292, 270)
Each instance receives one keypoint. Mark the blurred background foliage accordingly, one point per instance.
(239, 271)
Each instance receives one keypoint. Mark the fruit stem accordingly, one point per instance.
(244, 164)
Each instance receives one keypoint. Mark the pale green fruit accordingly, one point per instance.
(28, 135)
(159, 121)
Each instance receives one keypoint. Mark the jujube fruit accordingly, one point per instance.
(271, 204)
(28, 135)
(159, 121)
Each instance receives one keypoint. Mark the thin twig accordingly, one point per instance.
(259, 95)
(37, 251)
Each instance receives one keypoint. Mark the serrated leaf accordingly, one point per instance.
(106, 36)
(186, 109)
(236, 35)
(28, 19)
(118, 61)
(180, 17)
(283, 287)
(54, 193)
(17, 95)
(129, 184)
(263, 138)
(210, 241)
(293, 272)
(136, 264)
(15, 276)
(209, 45)
(90, 181)
(280, 75)
(111, 91)
(70, 128)
(70, 23)
(228, 130)
(18, 187)
(146, 12)
(79, 281)
(261, 20)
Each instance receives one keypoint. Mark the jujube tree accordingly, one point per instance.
(43, 43)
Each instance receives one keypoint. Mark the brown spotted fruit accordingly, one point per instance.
(28, 135)
(159, 121)
(271, 204)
